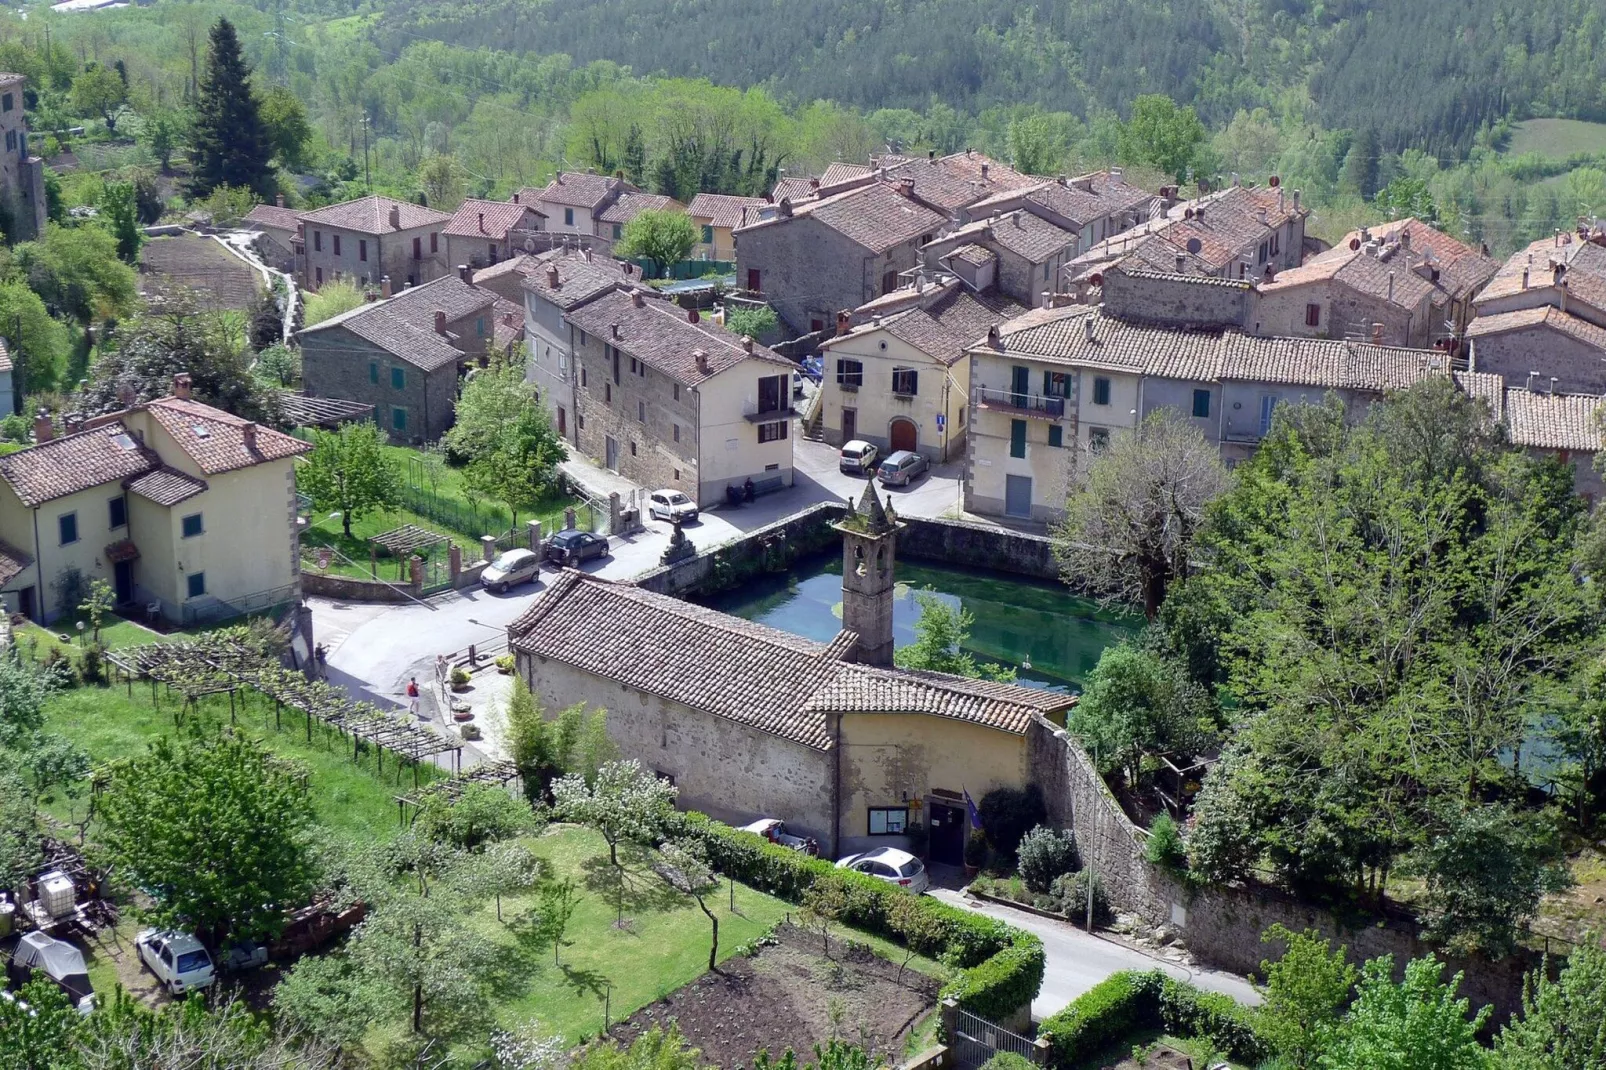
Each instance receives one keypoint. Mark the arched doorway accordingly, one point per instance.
(902, 434)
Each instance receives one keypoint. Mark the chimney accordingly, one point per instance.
(125, 394)
(515, 198)
(1198, 213)
(249, 433)
(1182, 262)
(1553, 385)
(73, 422)
(1530, 383)
(1391, 286)
(637, 299)
(42, 429)
(784, 209)
(1262, 216)
(875, 319)
(747, 343)
(1236, 181)
(1279, 199)
(1115, 174)
(395, 217)
(558, 178)
(993, 337)
(384, 287)
(1015, 217)
(181, 385)
(1377, 334)
(906, 187)
(613, 331)
(701, 357)
(814, 185)
(482, 222)
(1087, 326)
(278, 200)
(440, 321)
(465, 274)
(1296, 200)
(931, 154)
(1524, 278)
(1405, 242)
(985, 167)
(844, 323)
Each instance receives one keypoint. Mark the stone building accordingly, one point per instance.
(669, 399)
(22, 174)
(403, 355)
(716, 216)
(1544, 316)
(280, 230)
(1028, 254)
(750, 722)
(1091, 207)
(479, 233)
(560, 283)
(370, 238)
(813, 259)
(181, 507)
(574, 201)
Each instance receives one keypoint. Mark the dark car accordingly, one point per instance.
(573, 546)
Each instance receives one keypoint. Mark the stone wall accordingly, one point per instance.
(1179, 300)
(1222, 926)
(963, 543)
(348, 589)
(772, 548)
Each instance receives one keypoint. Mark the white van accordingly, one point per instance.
(857, 458)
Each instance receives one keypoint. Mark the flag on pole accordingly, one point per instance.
(970, 808)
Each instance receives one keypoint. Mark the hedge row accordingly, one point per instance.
(1131, 1001)
(1000, 967)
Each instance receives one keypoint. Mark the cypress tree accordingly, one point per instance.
(230, 146)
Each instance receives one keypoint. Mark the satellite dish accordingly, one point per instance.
(1354, 244)
(1188, 213)
(529, 245)
(1194, 245)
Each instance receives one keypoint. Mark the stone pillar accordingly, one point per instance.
(614, 527)
(415, 570)
(454, 561)
(488, 548)
(568, 519)
(535, 535)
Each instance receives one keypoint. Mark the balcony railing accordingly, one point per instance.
(1044, 408)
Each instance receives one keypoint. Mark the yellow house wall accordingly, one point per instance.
(876, 405)
(888, 758)
(87, 554)
(247, 544)
(728, 449)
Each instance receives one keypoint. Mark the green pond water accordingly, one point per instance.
(1052, 637)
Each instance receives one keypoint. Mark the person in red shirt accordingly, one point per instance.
(412, 696)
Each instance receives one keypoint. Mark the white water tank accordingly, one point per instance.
(56, 893)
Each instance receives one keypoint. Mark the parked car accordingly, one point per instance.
(774, 830)
(58, 960)
(177, 959)
(858, 457)
(572, 546)
(511, 569)
(902, 468)
(668, 504)
(814, 368)
(891, 865)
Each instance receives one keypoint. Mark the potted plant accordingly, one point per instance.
(460, 678)
(975, 853)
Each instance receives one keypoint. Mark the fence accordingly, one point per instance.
(205, 611)
(976, 1040)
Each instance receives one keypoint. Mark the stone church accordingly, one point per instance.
(751, 722)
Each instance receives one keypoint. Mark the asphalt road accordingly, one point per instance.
(1076, 961)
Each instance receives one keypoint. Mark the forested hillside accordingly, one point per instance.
(1425, 73)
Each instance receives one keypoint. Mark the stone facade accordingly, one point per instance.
(978, 545)
(22, 174)
(340, 364)
(869, 548)
(633, 418)
(1578, 366)
(1179, 300)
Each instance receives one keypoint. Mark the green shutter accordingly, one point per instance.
(1056, 435)
(1017, 438)
(398, 378)
(398, 419)
(373, 371)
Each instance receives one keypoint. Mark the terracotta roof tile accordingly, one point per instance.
(722, 210)
(216, 441)
(71, 463)
(578, 280)
(974, 255)
(404, 325)
(12, 563)
(165, 486)
(953, 182)
(661, 334)
(577, 189)
(950, 319)
(860, 688)
(1081, 200)
(793, 189)
(271, 215)
(486, 219)
(1546, 317)
(875, 216)
(371, 215)
(630, 205)
(839, 173)
(1553, 421)
(723, 665)
(1028, 236)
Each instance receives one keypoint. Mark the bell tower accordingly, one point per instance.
(869, 545)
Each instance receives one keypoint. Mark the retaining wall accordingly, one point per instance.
(961, 542)
(771, 548)
(348, 589)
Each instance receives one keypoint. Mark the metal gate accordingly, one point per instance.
(976, 1040)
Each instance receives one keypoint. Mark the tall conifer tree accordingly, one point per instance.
(231, 146)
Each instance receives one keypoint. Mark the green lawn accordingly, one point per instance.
(1557, 138)
(353, 800)
(115, 633)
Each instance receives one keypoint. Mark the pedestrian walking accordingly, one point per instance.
(412, 696)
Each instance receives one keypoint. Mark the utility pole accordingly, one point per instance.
(367, 178)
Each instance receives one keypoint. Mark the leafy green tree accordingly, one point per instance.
(122, 218)
(284, 118)
(917, 926)
(149, 203)
(24, 690)
(1131, 521)
(494, 398)
(228, 205)
(662, 238)
(556, 903)
(98, 91)
(325, 997)
(752, 322)
(442, 179)
(941, 632)
(80, 271)
(41, 1028)
(1036, 144)
(162, 131)
(480, 815)
(217, 828)
(39, 344)
(265, 323)
(625, 804)
(351, 471)
(332, 298)
(101, 601)
(1486, 873)
(1139, 704)
(1563, 1022)
(1359, 175)
(1162, 135)
(1305, 993)
(656, 1049)
(1416, 1024)
(520, 471)
(1408, 196)
(19, 829)
(279, 366)
(229, 141)
(680, 867)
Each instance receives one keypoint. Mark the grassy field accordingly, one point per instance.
(1556, 138)
(353, 800)
(115, 633)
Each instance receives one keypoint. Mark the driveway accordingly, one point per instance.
(1076, 961)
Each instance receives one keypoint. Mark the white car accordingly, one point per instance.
(891, 865)
(774, 830)
(510, 569)
(177, 959)
(668, 504)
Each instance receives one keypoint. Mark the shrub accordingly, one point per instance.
(1007, 1060)
(1116, 1007)
(460, 676)
(1045, 854)
(1071, 892)
(1165, 848)
(976, 850)
(1006, 814)
(1186, 1011)
(93, 666)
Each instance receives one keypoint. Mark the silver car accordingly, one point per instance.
(510, 569)
(902, 468)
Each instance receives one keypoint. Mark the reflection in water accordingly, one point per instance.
(1018, 622)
